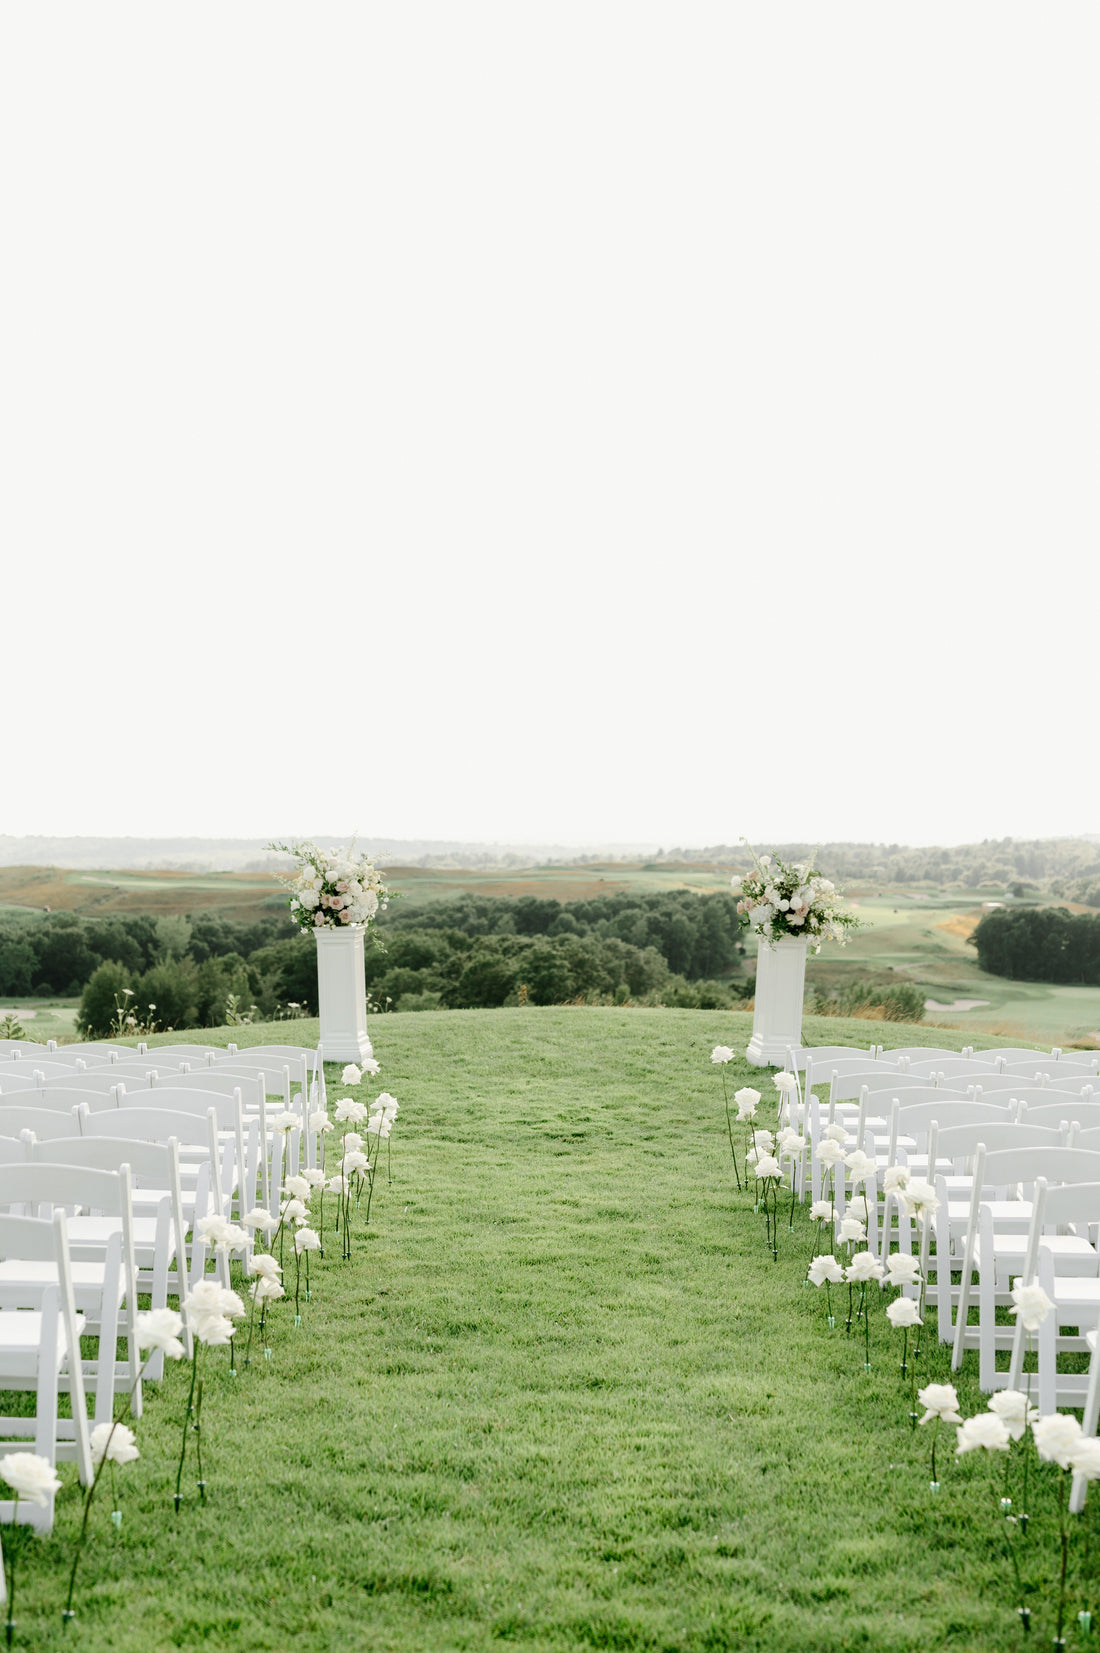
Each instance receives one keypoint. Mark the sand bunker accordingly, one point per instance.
(959, 1004)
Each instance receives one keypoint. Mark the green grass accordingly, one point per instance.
(559, 1399)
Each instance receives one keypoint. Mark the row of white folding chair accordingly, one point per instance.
(990, 1234)
(914, 1118)
(241, 1173)
(195, 1127)
(159, 1225)
(86, 1056)
(192, 1131)
(251, 1164)
(104, 1271)
(40, 1353)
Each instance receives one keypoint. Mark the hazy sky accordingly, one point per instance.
(550, 421)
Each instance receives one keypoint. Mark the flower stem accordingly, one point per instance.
(729, 1130)
(198, 1442)
(187, 1421)
(1063, 1494)
(9, 1627)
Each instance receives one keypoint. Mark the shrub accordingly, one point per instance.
(900, 1002)
(98, 1002)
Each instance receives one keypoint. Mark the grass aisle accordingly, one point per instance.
(559, 1399)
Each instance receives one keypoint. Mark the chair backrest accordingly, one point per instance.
(952, 1067)
(173, 1055)
(134, 1073)
(1049, 1072)
(990, 1084)
(44, 1122)
(181, 1099)
(1047, 1096)
(998, 1168)
(148, 1161)
(276, 1054)
(20, 1047)
(915, 1116)
(191, 1130)
(109, 1053)
(225, 1084)
(48, 1068)
(13, 1150)
(104, 1079)
(961, 1141)
(275, 1082)
(1087, 1137)
(71, 1097)
(912, 1054)
(820, 1071)
(17, 1084)
(846, 1088)
(1075, 1111)
(47, 1183)
(1006, 1054)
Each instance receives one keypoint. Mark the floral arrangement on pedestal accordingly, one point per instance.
(332, 887)
(780, 899)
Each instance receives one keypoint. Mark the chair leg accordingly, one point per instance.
(1079, 1487)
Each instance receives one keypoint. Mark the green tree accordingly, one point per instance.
(99, 1001)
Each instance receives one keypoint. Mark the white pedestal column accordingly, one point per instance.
(777, 1018)
(342, 994)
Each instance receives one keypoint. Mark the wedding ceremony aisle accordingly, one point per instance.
(560, 1397)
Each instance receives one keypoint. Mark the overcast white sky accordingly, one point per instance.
(565, 421)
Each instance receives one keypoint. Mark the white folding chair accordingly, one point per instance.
(200, 1158)
(240, 1165)
(159, 1228)
(44, 1122)
(40, 1352)
(103, 1264)
(1062, 1260)
(111, 1077)
(997, 1235)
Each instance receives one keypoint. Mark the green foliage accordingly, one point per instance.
(11, 1027)
(57, 953)
(1040, 944)
(695, 935)
(173, 936)
(900, 1002)
(215, 980)
(98, 1004)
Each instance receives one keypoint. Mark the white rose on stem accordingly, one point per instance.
(1057, 1437)
(30, 1476)
(940, 1401)
(984, 1430)
(159, 1329)
(1031, 1304)
(113, 1442)
(1011, 1406)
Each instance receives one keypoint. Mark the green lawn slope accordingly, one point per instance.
(560, 1398)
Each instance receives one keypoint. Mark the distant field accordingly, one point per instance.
(919, 935)
(923, 940)
(238, 895)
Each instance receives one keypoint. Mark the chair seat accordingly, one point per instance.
(88, 1282)
(1073, 1255)
(1071, 1293)
(1013, 1216)
(21, 1341)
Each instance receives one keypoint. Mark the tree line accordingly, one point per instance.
(1040, 944)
